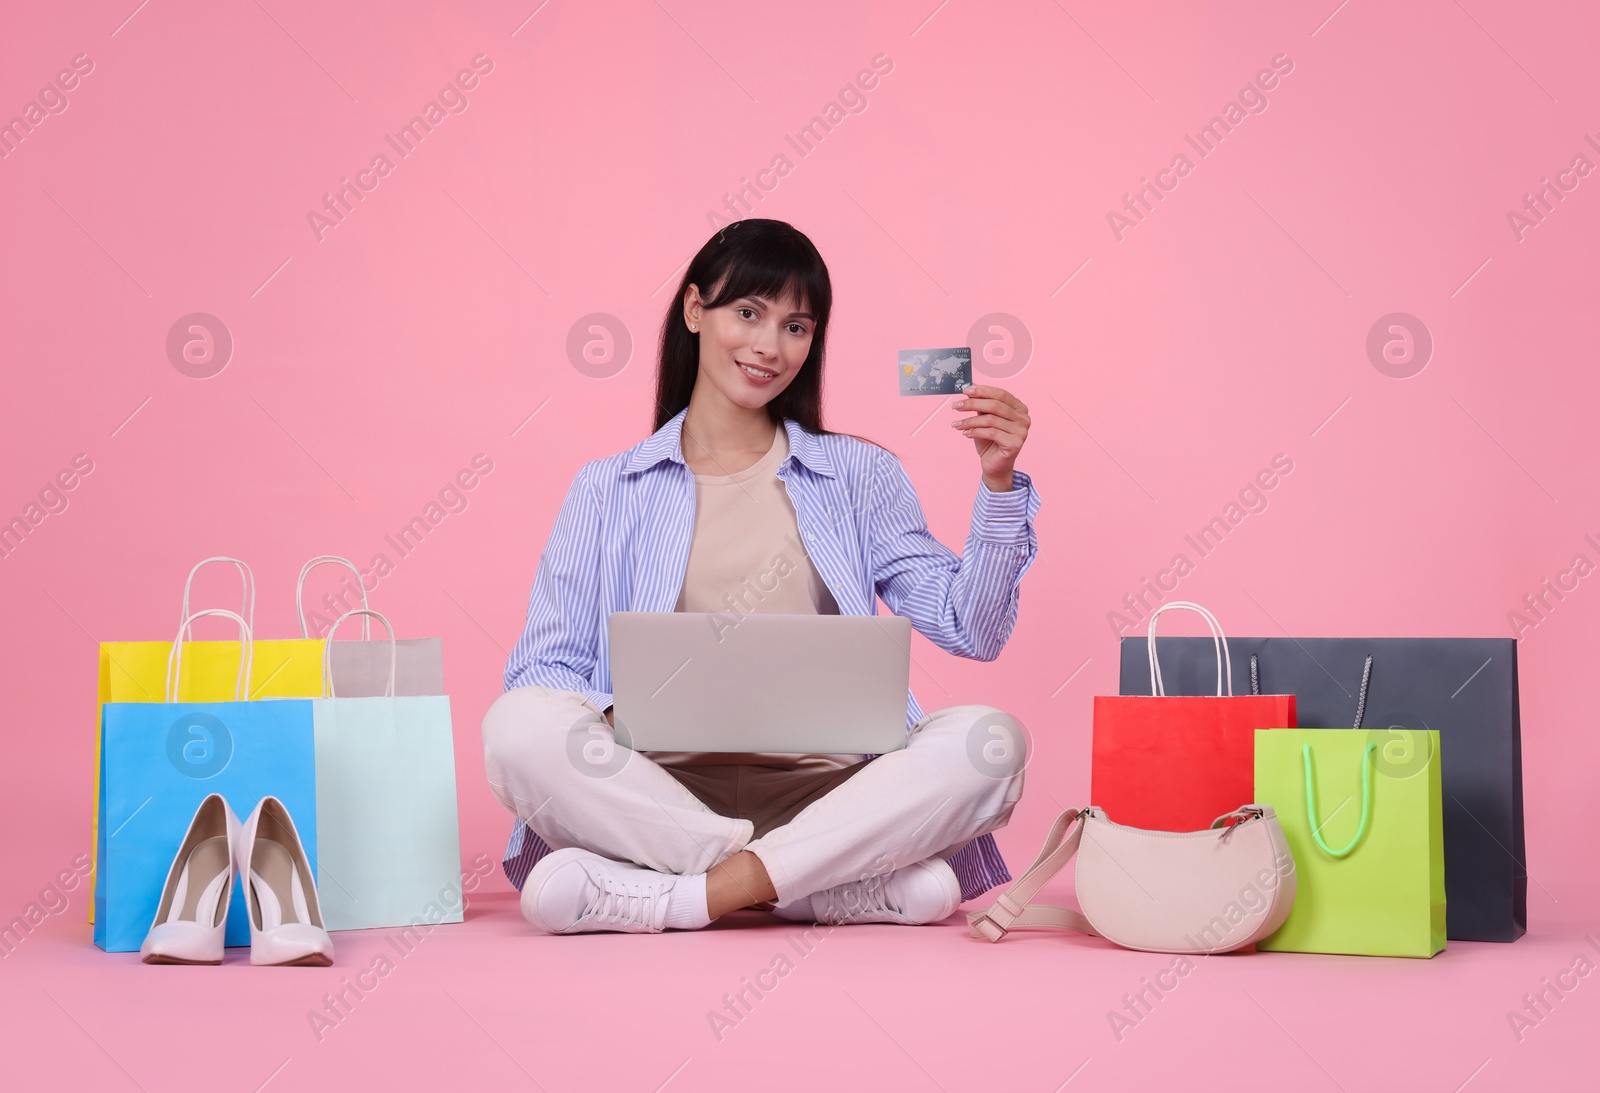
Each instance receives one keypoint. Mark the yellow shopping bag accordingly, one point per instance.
(136, 671)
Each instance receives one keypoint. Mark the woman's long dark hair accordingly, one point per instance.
(751, 257)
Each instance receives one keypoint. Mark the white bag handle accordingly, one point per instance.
(248, 607)
(327, 650)
(1218, 639)
(300, 591)
(246, 654)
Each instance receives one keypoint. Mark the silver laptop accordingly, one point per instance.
(697, 681)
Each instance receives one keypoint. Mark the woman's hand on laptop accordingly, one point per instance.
(998, 430)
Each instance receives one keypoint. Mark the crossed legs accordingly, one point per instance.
(552, 759)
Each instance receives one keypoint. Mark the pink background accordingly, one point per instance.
(1167, 369)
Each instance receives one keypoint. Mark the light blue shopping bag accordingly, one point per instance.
(159, 760)
(388, 837)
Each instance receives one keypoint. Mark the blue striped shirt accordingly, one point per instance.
(621, 543)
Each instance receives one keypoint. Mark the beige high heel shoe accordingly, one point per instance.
(191, 919)
(280, 893)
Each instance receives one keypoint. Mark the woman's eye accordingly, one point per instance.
(751, 310)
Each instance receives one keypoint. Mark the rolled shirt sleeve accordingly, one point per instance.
(966, 605)
(1006, 517)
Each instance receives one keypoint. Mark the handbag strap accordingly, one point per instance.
(1012, 909)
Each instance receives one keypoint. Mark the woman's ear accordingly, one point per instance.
(693, 307)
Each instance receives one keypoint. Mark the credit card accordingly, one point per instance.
(935, 371)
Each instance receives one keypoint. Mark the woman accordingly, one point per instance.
(740, 477)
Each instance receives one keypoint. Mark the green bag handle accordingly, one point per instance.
(1366, 801)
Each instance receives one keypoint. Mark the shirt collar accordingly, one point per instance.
(667, 443)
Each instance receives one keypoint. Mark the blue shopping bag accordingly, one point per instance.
(388, 837)
(159, 760)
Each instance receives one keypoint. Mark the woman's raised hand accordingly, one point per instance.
(998, 429)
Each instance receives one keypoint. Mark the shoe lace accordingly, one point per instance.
(859, 900)
(621, 903)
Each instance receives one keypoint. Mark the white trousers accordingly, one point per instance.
(552, 759)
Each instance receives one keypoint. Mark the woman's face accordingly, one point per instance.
(771, 337)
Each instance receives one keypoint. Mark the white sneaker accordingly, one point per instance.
(575, 891)
(924, 892)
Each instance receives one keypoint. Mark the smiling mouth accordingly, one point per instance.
(757, 372)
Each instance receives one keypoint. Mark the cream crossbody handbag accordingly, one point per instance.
(1207, 891)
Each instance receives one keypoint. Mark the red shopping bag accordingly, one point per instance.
(1177, 763)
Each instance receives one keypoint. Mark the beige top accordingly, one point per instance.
(747, 557)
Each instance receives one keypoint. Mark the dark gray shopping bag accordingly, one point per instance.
(1466, 688)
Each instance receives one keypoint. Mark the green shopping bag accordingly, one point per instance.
(1364, 817)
